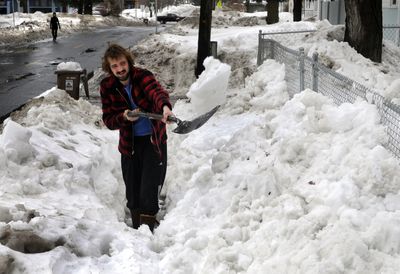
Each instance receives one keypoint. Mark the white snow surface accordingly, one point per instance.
(270, 184)
(210, 89)
(70, 66)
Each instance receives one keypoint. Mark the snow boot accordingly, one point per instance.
(149, 220)
(135, 214)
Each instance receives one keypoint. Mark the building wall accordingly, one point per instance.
(4, 8)
(334, 11)
(390, 16)
(30, 6)
(389, 3)
(390, 12)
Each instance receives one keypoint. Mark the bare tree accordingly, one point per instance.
(273, 11)
(88, 7)
(115, 6)
(364, 27)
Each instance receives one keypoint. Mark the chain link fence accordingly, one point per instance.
(392, 33)
(303, 72)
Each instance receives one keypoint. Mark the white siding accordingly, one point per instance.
(389, 3)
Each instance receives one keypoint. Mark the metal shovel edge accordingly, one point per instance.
(183, 127)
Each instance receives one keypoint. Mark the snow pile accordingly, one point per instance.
(392, 92)
(15, 142)
(293, 187)
(210, 89)
(181, 10)
(238, 45)
(270, 184)
(30, 27)
(71, 66)
(267, 184)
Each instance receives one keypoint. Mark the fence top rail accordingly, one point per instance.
(286, 32)
(391, 26)
(279, 45)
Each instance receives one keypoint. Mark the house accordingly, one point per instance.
(390, 12)
(30, 6)
(44, 6)
(6, 6)
(334, 11)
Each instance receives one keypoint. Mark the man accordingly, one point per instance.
(54, 26)
(142, 142)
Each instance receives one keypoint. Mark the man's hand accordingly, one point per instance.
(166, 112)
(130, 118)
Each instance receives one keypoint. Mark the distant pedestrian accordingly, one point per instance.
(54, 26)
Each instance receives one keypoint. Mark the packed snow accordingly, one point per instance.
(211, 88)
(70, 66)
(270, 184)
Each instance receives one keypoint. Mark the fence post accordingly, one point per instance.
(301, 68)
(272, 45)
(398, 36)
(315, 72)
(260, 48)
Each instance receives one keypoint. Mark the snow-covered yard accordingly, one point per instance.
(36, 26)
(270, 184)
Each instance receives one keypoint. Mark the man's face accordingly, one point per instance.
(119, 67)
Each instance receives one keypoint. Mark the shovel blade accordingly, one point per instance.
(185, 127)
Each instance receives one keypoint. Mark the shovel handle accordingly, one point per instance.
(153, 116)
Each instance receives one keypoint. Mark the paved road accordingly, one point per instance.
(28, 71)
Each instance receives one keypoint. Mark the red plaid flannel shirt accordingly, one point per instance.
(147, 94)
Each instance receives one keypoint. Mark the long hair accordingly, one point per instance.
(115, 51)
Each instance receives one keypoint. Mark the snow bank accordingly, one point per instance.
(70, 66)
(269, 184)
(15, 142)
(210, 88)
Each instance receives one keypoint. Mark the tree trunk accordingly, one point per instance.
(247, 5)
(273, 11)
(115, 7)
(297, 10)
(80, 6)
(203, 48)
(88, 8)
(364, 27)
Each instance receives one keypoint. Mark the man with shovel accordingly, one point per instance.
(142, 142)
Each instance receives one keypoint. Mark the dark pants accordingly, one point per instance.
(54, 33)
(143, 173)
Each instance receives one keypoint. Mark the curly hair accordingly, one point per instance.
(115, 51)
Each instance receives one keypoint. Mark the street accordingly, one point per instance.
(28, 71)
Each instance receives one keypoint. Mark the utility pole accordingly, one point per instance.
(297, 9)
(12, 3)
(203, 47)
(155, 14)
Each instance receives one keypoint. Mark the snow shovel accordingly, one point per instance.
(183, 127)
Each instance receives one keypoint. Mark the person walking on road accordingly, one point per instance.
(54, 26)
(142, 142)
